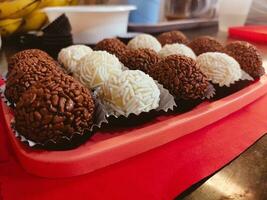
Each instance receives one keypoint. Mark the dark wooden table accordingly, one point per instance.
(245, 178)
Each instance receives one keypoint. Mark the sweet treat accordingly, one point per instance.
(132, 91)
(247, 56)
(113, 46)
(172, 37)
(98, 67)
(26, 54)
(28, 72)
(60, 26)
(224, 73)
(141, 59)
(70, 56)
(54, 108)
(144, 41)
(182, 77)
(219, 68)
(57, 35)
(172, 49)
(205, 44)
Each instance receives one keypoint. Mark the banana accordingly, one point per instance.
(10, 26)
(51, 3)
(17, 8)
(34, 21)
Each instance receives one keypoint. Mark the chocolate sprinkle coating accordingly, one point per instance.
(182, 77)
(247, 56)
(28, 72)
(113, 46)
(205, 44)
(172, 37)
(26, 54)
(56, 107)
(141, 59)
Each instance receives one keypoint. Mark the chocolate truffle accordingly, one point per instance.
(172, 49)
(182, 77)
(56, 107)
(144, 41)
(26, 54)
(247, 56)
(172, 37)
(113, 46)
(220, 68)
(70, 56)
(141, 59)
(26, 73)
(205, 44)
(132, 91)
(96, 68)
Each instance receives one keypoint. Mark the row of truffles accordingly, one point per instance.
(222, 65)
(49, 104)
(121, 91)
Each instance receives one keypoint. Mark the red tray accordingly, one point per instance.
(111, 147)
(253, 33)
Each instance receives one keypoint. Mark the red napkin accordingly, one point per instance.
(162, 173)
(252, 33)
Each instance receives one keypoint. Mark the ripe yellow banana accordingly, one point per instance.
(51, 3)
(34, 21)
(17, 8)
(10, 26)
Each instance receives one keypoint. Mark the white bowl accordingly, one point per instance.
(91, 24)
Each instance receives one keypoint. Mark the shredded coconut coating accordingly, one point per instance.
(98, 67)
(132, 91)
(70, 56)
(172, 49)
(220, 68)
(145, 41)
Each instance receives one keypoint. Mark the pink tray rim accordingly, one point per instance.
(90, 157)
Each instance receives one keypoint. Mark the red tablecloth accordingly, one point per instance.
(161, 173)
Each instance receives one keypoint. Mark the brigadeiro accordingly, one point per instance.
(56, 108)
(172, 37)
(141, 59)
(113, 46)
(26, 54)
(205, 44)
(223, 72)
(183, 78)
(247, 56)
(26, 73)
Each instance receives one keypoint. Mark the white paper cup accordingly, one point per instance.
(233, 13)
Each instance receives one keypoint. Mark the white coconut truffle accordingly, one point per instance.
(98, 67)
(176, 48)
(220, 68)
(70, 56)
(144, 41)
(132, 91)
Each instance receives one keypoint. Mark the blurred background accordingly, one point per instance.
(27, 15)
(111, 18)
